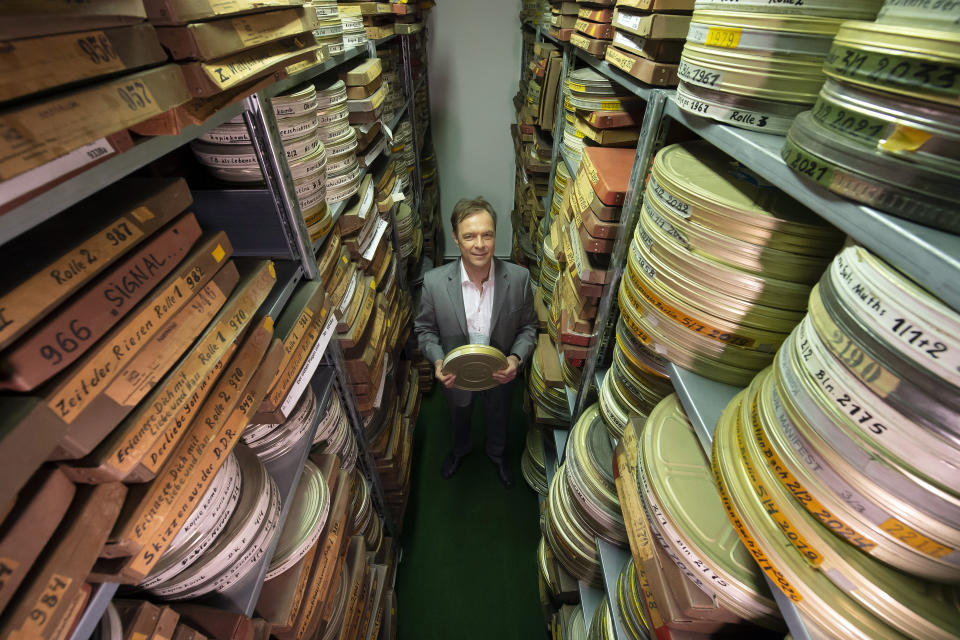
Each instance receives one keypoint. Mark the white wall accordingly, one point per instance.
(474, 65)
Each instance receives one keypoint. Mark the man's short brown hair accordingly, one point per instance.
(469, 206)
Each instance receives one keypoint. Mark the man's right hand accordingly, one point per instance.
(446, 379)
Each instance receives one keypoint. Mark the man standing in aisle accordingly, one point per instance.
(477, 299)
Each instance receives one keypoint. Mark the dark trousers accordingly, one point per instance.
(497, 404)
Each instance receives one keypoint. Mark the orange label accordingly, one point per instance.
(804, 497)
(910, 536)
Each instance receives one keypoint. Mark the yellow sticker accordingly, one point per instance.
(574, 86)
(268, 324)
(905, 138)
(720, 37)
(142, 214)
(272, 268)
(218, 253)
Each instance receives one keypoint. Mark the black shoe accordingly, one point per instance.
(450, 465)
(506, 475)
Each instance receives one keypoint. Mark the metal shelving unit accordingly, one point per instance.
(560, 442)
(929, 256)
(590, 598)
(100, 596)
(612, 560)
(286, 471)
(264, 222)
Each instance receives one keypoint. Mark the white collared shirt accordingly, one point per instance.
(477, 306)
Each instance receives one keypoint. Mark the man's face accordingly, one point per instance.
(476, 237)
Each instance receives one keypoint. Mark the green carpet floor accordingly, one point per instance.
(469, 544)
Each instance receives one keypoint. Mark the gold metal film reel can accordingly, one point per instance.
(677, 488)
(910, 605)
(912, 61)
(792, 79)
(709, 242)
(702, 182)
(813, 593)
(917, 131)
(685, 279)
(783, 438)
(846, 9)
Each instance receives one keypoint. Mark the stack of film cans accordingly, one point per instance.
(225, 537)
(334, 435)
(354, 34)
(532, 462)
(885, 130)
(547, 387)
(720, 265)
(271, 441)
(227, 153)
(582, 502)
(840, 463)
(587, 96)
(306, 519)
(757, 64)
(329, 33)
(568, 623)
(693, 563)
(343, 169)
(365, 521)
(601, 627)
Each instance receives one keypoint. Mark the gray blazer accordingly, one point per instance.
(441, 324)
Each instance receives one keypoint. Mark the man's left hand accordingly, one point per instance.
(509, 373)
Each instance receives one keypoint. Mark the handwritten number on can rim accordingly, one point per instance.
(806, 165)
(859, 127)
(893, 69)
(698, 75)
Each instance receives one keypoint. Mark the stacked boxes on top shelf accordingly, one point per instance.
(366, 93)
(563, 19)
(82, 117)
(597, 113)
(220, 52)
(648, 38)
(592, 29)
(533, 143)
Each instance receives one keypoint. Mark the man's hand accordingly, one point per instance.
(446, 379)
(510, 372)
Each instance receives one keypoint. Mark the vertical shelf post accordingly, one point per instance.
(268, 147)
(364, 459)
(650, 139)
